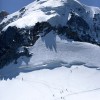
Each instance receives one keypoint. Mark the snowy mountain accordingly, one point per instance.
(49, 50)
(70, 73)
(69, 18)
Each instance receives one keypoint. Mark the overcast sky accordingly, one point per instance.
(14, 5)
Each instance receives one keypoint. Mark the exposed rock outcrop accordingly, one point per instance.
(3, 14)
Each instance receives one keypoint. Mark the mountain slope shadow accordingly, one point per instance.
(13, 70)
(50, 40)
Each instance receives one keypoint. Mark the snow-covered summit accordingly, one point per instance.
(54, 11)
(58, 13)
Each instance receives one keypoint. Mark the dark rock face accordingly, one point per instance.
(11, 40)
(3, 14)
(80, 28)
(78, 24)
(3, 24)
(43, 27)
(10, 20)
(96, 24)
(14, 38)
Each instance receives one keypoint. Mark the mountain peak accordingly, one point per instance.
(44, 10)
(3, 14)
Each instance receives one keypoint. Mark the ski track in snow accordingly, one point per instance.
(66, 73)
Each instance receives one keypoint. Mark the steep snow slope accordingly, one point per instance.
(62, 50)
(54, 53)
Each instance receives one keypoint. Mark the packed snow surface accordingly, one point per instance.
(75, 83)
(57, 70)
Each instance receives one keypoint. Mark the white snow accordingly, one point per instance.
(68, 52)
(54, 11)
(75, 83)
(59, 69)
(31, 19)
(53, 49)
